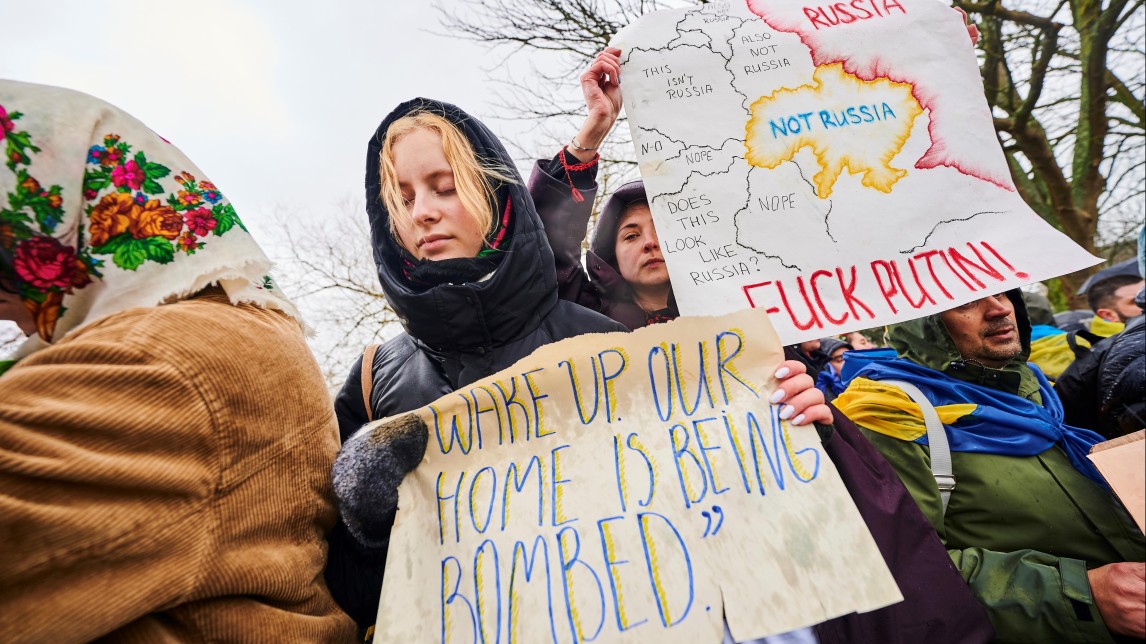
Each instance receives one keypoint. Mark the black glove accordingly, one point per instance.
(368, 471)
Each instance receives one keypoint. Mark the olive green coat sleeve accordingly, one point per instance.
(996, 532)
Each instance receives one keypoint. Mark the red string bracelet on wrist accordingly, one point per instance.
(577, 167)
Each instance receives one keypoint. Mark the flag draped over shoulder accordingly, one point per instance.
(977, 418)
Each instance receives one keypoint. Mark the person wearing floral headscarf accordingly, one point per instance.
(165, 435)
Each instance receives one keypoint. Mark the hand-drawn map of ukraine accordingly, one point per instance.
(833, 163)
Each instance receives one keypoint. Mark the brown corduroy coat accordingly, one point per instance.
(165, 476)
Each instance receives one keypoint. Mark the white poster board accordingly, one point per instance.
(834, 164)
(625, 488)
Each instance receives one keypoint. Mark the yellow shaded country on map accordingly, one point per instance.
(847, 122)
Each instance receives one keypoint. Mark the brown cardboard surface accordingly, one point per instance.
(1122, 462)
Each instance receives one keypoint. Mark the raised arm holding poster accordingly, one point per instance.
(622, 488)
(832, 163)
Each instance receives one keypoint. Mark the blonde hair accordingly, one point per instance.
(475, 179)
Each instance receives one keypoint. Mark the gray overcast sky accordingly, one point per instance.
(273, 99)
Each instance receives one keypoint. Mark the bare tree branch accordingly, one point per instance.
(336, 285)
(1053, 72)
(1066, 80)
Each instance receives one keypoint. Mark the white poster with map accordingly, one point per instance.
(833, 163)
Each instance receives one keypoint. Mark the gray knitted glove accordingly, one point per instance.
(368, 471)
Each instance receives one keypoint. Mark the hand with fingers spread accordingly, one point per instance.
(601, 85)
(802, 402)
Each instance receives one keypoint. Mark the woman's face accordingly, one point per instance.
(439, 227)
(638, 249)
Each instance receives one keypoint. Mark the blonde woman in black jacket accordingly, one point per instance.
(463, 260)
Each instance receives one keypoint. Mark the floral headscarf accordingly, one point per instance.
(99, 214)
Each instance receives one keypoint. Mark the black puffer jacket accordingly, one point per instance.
(455, 334)
(1122, 380)
(1105, 389)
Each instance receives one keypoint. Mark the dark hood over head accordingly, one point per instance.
(604, 244)
(473, 316)
(601, 260)
(602, 255)
(926, 341)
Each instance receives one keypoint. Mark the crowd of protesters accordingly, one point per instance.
(168, 464)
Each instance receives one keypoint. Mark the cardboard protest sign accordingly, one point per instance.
(1122, 462)
(625, 488)
(832, 163)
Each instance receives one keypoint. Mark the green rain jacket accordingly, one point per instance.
(1023, 531)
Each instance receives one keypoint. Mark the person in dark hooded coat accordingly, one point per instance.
(474, 294)
(601, 285)
(564, 188)
(1105, 389)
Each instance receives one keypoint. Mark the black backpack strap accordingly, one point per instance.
(1072, 341)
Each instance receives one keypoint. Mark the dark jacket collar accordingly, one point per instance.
(475, 316)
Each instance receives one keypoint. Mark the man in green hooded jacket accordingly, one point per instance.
(1039, 538)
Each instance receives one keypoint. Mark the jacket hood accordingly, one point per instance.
(829, 346)
(604, 244)
(926, 341)
(473, 316)
(1039, 309)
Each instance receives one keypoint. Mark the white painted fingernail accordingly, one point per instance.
(787, 412)
(799, 420)
(783, 372)
(777, 396)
